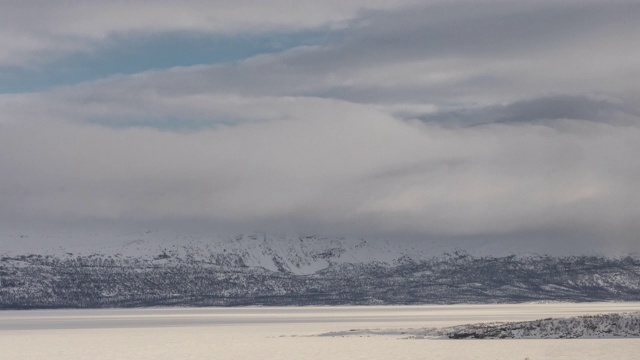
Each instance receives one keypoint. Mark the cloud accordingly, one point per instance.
(361, 172)
(541, 110)
(436, 121)
(34, 31)
(448, 56)
(132, 53)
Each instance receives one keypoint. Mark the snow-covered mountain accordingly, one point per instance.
(301, 255)
(297, 254)
(161, 268)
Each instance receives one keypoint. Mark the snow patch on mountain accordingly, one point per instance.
(297, 254)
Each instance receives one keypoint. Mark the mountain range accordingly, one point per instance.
(165, 269)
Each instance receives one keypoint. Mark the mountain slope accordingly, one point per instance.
(149, 270)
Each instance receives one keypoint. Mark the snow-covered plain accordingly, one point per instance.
(283, 333)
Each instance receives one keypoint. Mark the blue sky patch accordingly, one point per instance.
(132, 54)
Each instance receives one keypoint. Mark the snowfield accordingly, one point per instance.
(288, 333)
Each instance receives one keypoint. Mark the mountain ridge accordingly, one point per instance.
(299, 254)
(259, 269)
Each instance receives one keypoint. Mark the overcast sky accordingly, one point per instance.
(428, 119)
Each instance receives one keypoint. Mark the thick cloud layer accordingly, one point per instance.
(439, 120)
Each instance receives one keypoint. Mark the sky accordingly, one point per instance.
(425, 119)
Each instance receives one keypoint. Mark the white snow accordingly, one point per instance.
(299, 254)
(283, 333)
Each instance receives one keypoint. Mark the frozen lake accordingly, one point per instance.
(280, 333)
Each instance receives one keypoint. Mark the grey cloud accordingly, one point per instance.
(476, 32)
(457, 53)
(317, 141)
(34, 31)
(484, 29)
(451, 53)
(352, 173)
(540, 110)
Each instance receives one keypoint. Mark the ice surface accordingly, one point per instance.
(282, 333)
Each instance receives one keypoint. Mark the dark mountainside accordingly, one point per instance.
(93, 281)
